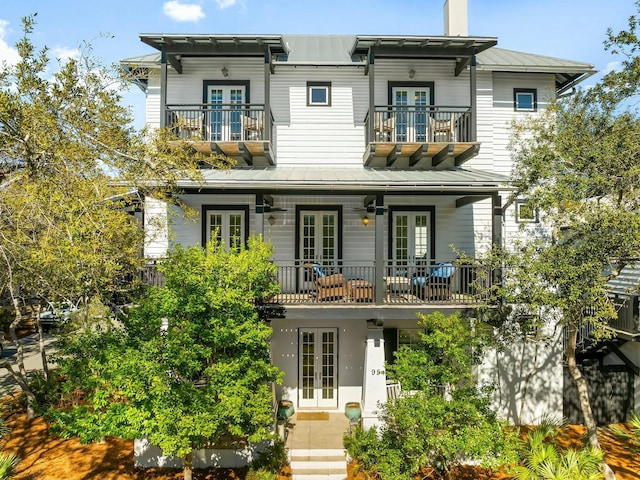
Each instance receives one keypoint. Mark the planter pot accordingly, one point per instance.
(285, 409)
(353, 411)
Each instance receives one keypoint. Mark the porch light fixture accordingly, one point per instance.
(412, 73)
(365, 220)
(225, 72)
(271, 220)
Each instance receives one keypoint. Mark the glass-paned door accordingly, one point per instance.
(226, 227)
(318, 241)
(225, 118)
(411, 241)
(411, 113)
(318, 369)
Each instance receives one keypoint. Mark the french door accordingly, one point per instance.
(411, 113)
(318, 241)
(226, 116)
(411, 239)
(318, 368)
(226, 227)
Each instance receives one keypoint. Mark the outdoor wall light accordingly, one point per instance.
(271, 220)
(412, 73)
(225, 72)
(365, 220)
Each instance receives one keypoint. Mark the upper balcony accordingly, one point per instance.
(426, 136)
(240, 131)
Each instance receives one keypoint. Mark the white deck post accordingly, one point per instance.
(374, 389)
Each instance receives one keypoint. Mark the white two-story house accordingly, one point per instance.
(363, 159)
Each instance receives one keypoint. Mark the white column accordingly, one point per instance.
(374, 388)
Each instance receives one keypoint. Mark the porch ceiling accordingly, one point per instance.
(362, 179)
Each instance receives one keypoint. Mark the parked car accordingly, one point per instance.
(55, 317)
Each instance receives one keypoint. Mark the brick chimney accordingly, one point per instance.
(456, 21)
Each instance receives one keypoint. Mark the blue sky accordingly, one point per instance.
(570, 29)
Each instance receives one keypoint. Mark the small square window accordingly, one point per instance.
(525, 99)
(319, 93)
(525, 213)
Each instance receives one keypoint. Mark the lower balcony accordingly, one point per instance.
(426, 283)
(432, 282)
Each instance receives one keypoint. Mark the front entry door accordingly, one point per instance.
(318, 369)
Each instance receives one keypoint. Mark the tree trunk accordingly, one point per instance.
(187, 461)
(583, 396)
(24, 386)
(43, 353)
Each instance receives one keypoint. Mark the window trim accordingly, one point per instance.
(224, 83)
(430, 85)
(409, 209)
(534, 94)
(519, 219)
(221, 208)
(310, 86)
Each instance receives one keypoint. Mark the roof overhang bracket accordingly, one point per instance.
(245, 154)
(369, 201)
(394, 154)
(461, 64)
(442, 155)
(467, 154)
(418, 155)
(175, 62)
(469, 199)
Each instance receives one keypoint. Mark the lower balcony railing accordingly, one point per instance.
(409, 283)
(404, 283)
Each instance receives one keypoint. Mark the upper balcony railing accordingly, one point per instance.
(235, 122)
(415, 124)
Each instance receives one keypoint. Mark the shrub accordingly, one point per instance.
(542, 459)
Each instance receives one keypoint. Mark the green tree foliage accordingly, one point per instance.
(445, 420)
(8, 461)
(448, 349)
(577, 164)
(70, 167)
(185, 367)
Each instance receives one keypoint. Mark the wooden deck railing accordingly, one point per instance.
(404, 283)
(219, 123)
(411, 124)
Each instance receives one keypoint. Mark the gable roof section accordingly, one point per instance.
(568, 72)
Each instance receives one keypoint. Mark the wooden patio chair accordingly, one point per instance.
(328, 287)
(436, 285)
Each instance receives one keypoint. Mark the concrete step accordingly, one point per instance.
(333, 476)
(316, 476)
(318, 464)
(316, 452)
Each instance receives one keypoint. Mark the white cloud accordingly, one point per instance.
(64, 53)
(7, 53)
(183, 12)
(612, 67)
(226, 3)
